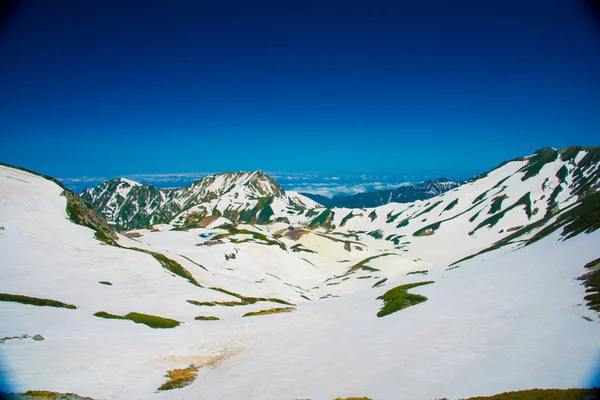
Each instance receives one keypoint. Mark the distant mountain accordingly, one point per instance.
(251, 197)
(402, 194)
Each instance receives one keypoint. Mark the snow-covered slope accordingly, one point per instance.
(511, 318)
(509, 202)
(237, 196)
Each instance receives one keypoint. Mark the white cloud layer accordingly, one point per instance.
(324, 184)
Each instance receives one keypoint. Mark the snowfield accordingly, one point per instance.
(508, 319)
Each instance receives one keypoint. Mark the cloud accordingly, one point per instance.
(324, 184)
(330, 190)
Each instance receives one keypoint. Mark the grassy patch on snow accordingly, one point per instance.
(234, 230)
(377, 234)
(536, 162)
(193, 262)
(107, 283)
(152, 321)
(34, 301)
(450, 206)
(372, 215)
(205, 318)
(243, 300)
(323, 220)
(398, 298)
(172, 265)
(591, 281)
(544, 394)
(363, 264)
(179, 378)
(202, 303)
(298, 247)
(346, 218)
(270, 311)
(353, 398)
(41, 395)
(424, 272)
(379, 283)
(525, 201)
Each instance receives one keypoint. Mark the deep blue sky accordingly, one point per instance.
(107, 88)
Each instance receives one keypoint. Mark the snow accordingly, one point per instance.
(506, 320)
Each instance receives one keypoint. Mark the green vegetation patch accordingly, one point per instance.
(480, 197)
(205, 318)
(497, 203)
(562, 173)
(583, 217)
(41, 395)
(35, 301)
(179, 378)
(172, 265)
(537, 162)
(270, 311)
(474, 217)
(544, 394)
(581, 182)
(202, 303)
(525, 200)
(353, 398)
(428, 230)
(431, 228)
(265, 211)
(377, 234)
(192, 220)
(593, 264)
(152, 321)
(234, 230)
(398, 298)
(591, 281)
(372, 215)
(105, 283)
(311, 213)
(299, 247)
(244, 300)
(379, 283)
(403, 223)
(392, 217)
(395, 238)
(424, 272)
(450, 206)
(193, 262)
(324, 220)
(346, 218)
(363, 264)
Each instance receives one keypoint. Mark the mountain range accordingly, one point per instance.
(402, 194)
(234, 288)
(251, 197)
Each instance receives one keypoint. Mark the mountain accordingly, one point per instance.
(251, 197)
(402, 194)
(486, 288)
(551, 188)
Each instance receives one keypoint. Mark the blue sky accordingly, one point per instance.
(415, 88)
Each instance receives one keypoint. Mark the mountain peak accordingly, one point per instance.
(129, 182)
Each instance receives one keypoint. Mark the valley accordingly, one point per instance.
(236, 288)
